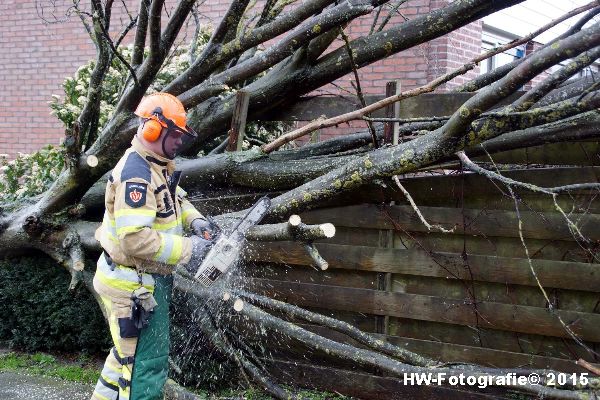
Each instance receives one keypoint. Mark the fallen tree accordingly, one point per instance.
(60, 221)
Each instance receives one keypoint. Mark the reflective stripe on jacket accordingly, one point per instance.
(146, 213)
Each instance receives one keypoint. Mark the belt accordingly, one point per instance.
(111, 263)
(124, 360)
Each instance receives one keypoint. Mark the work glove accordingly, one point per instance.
(205, 228)
(142, 306)
(200, 247)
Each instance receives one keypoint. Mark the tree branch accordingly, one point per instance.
(293, 311)
(154, 24)
(303, 33)
(524, 72)
(215, 55)
(294, 229)
(139, 43)
(554, 80)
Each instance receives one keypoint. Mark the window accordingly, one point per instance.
(491, 39)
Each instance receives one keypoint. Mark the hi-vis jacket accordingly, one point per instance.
(146, 213)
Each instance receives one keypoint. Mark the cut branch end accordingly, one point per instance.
(295, 220)
(328, 230)
(92, 161)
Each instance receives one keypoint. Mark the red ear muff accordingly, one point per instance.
(151, 130)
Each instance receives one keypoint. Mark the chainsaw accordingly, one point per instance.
(228, 246)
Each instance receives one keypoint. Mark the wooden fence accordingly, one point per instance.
(466, 296)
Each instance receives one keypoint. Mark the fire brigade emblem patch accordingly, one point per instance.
(135, 194)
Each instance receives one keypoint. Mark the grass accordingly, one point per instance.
(82, 370)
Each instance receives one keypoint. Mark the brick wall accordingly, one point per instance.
(40, 45)
(34, 59)
(37, 52)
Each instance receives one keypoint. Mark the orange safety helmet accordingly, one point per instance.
(163, 110)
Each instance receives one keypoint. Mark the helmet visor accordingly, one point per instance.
(176, 140)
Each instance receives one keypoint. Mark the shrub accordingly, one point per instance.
(39, 313)
(29, 174)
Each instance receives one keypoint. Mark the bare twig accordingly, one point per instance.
(470, 165)
(551, 307)
(408, 120)
(82, 16)
(393, 11)
(375, 18)
(194, 45)
(125, 31)
(116, 53)
(416, 208)
(312, 251)
(359, 92)
(588, 366)
(353, 115)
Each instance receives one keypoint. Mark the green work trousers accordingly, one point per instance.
(137, 366)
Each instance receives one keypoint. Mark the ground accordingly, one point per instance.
(20, 386)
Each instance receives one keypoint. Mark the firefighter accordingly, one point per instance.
(142, 235)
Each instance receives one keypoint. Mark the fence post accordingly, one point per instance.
(386, 237)
(238, 121)
(390, 129)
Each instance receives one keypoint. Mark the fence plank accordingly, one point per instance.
(552, 274)
(430, 308)
(365, 386)
(449, 352)
(579, 153)
(468, 290)
(476, 191)
(475, 336)
(310, 108)
(337, 277)
(495, 223)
